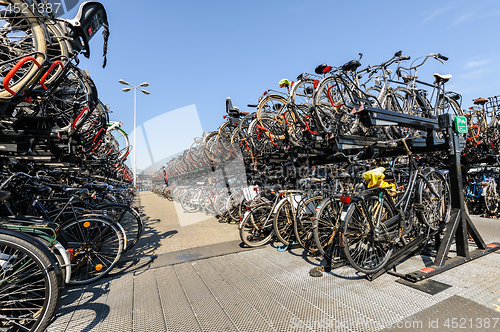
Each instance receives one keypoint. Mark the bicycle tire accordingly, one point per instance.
(364, 251)
(233, 204)
(36, 43)
(220, 204)
(271, 107)
(327, 228)
(283, 221)
(265, 140)
(256, 229)
(97, 246)
(331, 99)
(304, 223)
(436, 210)
(58, 48)
(491, 198)
(27, 280)
(128, 217)
(116, 141)
(187, 201)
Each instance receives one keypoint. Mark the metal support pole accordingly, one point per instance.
(135, 142)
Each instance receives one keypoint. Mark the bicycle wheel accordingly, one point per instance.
(28, 287)
(190, 201)
(233, 204)
(221, 203)
(448, 105)
(327, 227)
(21, 34)
(330, 101)
(271, 106)
(368, 249)
(284, 219)
(392, 101)
(433, 193)
(491, 197)
(118, 139)
(263, 138)
(303, 225)
(128, 218)
(97, 245)
(256, 229)
(207, 200)
(58, 48)
(302, 92)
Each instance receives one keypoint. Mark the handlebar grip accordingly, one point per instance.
(442, 57)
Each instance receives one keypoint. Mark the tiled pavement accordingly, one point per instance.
(268, 290)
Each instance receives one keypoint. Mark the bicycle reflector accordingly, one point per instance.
(345, 199)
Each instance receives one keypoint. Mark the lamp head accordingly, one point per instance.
(145, 92)
(145, 84)
(126, 89)
(123, 82)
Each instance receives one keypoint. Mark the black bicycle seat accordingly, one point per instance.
(351, 65)
(319, 69)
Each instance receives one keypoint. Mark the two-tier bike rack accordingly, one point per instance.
(459, 226)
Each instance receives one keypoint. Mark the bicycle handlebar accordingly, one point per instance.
(439, 57)
(13, 176)
(350, 158)
(396, 58)
(394, 141)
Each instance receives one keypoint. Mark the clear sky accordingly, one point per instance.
(200, 52)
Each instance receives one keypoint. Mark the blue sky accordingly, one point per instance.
(200, 52)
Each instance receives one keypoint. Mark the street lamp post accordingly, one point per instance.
(130, 87)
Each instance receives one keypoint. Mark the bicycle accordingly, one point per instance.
(374, 224)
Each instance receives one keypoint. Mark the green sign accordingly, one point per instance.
(461, 124)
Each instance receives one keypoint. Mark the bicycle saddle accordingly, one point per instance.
(480, 101)
(99, 187)
(36, 189)
(351, 65)
(441, 78)
(322, 69)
